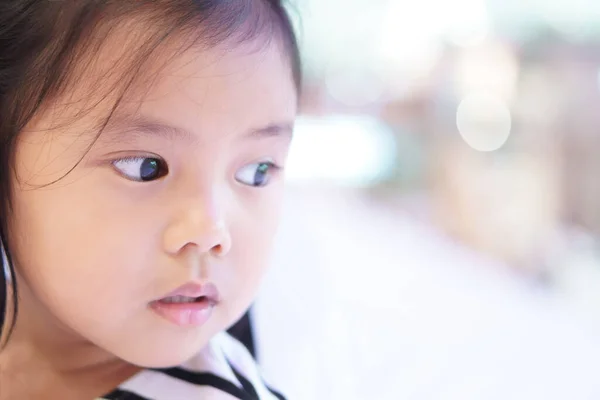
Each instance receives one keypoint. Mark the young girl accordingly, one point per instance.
(141, 149)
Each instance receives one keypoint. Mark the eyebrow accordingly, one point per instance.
(143, 126)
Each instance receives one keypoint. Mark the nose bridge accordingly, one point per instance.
(202, 207)
(199, 220)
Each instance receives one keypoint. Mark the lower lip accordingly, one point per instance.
(184, 314)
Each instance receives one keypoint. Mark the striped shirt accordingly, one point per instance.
(223, 370)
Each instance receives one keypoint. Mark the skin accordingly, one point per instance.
(94, 248)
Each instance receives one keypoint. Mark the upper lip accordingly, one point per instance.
(194, 289)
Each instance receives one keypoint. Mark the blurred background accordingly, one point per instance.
(441, 236)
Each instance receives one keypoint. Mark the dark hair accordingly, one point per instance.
(45, 44)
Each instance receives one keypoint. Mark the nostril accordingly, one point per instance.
(217, 249)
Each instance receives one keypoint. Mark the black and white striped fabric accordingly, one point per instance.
(223, 370)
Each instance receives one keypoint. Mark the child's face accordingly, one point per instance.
(95, 249)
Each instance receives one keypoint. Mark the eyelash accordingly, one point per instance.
(272, 170)
(164, 169)
(272, 166)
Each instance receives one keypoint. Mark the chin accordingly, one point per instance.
(165, 354)
(165, 358)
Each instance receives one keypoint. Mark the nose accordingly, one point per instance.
(200, 227)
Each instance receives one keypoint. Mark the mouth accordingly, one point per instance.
(189, 305)
(186, 299)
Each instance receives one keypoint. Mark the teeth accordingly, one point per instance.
(179, 299)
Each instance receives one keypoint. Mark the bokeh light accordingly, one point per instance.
(483, 121)
(349, 151)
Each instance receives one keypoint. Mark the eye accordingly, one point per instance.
(141, 169)
(257, 174)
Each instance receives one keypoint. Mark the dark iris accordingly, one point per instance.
(150, 169)
(261, 177)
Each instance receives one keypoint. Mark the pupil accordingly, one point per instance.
(149, 169)
(261, 174)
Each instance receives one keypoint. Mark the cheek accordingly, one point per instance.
(252, 239)
(79, 249)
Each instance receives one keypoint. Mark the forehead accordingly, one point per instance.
(224, 88)
(215, 93)
(230, 86)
